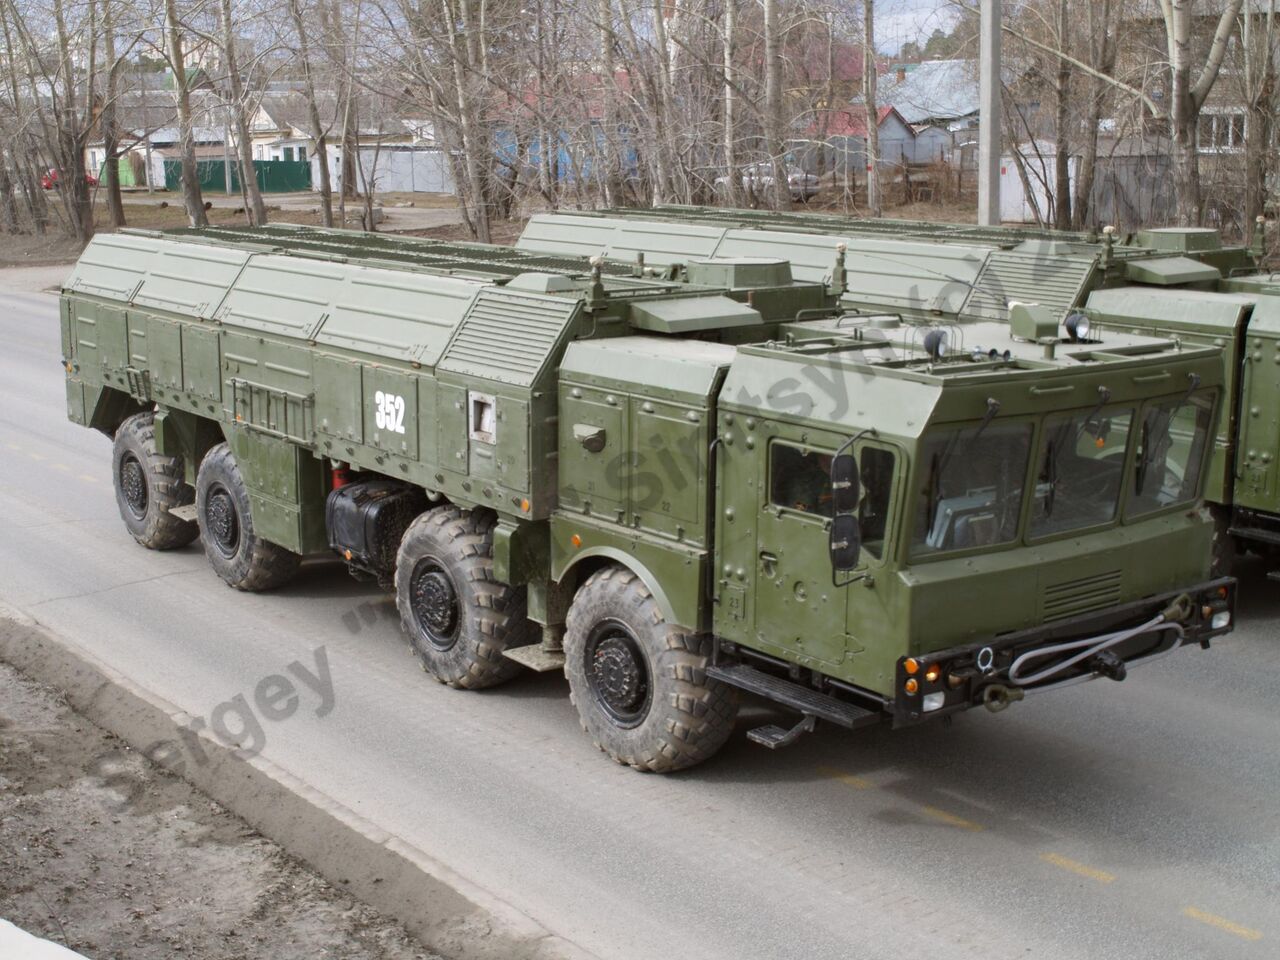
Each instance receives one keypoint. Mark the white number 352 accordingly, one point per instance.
(389, 411)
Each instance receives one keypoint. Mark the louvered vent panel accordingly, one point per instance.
(507, 336)
(1096, 592)
(1050, 281)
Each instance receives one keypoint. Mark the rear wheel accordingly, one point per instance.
(235, 551)
(148, 486)
(640, 684)
(459, 618)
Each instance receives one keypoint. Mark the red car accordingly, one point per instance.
(51, 179)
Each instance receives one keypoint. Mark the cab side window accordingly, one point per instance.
(800, 479)
(875, 465)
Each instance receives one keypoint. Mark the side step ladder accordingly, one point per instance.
(811, 704)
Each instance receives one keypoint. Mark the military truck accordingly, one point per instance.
(1184, 284)
(672, 488)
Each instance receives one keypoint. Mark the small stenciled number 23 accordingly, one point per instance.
(389, 411)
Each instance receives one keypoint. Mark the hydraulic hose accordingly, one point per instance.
(1088, 647)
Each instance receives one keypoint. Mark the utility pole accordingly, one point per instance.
(989, 115)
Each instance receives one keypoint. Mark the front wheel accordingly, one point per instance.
(640, 684)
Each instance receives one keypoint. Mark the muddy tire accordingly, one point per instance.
(223, 510)
(640, 685)
(148, 486)
(458, 617)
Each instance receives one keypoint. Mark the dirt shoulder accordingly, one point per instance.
(112, 856)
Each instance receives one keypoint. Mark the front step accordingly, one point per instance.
(535, 657)
(187, 513)
(775, 737)
(793, 696)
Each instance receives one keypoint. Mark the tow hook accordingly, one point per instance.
(1180, 610)
(997, 696)
(1107, 664)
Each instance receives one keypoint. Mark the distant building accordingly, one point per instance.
(837, 140)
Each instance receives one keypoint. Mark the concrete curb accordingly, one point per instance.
(446, 912)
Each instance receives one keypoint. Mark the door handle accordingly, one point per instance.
(768, 563)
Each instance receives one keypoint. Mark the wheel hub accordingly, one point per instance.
(618, 675)
(435, 604)
(133, 484)
(223, 522)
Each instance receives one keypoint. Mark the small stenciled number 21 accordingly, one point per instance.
(389, 411)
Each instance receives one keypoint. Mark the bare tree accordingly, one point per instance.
(319, 130)
(873, 109)
(256, 208)
(1187, 97)
(192, 198)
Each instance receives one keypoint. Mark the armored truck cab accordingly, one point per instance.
(1180, 283)
(673, 485)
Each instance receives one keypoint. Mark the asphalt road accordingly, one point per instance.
(1135, 820)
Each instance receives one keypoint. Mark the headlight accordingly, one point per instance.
(933, 701)
(1077, 325)
(1220, 620)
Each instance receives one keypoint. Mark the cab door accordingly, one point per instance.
(799, 612)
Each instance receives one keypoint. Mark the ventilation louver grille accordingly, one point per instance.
(1085, 595)
(507, 336)
(1050, 281)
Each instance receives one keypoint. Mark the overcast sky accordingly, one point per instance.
(898, 21)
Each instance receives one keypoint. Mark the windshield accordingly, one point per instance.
(973, 483)
(1081, 471)
(1090, 464)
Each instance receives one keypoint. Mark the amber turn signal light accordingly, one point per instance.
(911, 665)
(912, 685)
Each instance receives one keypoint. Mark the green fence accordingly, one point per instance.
(274, 176)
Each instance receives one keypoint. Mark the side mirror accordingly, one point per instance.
(846, 484)
(846, 541)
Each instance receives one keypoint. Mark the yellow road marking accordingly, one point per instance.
(86, 478)
(13, 446)
(1222, 923)
(951, 819)
(61, 466)
(36, 456)
(1076, 867)
(848, 779)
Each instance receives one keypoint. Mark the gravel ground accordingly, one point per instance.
(115, 858)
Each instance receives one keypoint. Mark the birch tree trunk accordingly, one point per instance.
(1187, 98)
(107, 120)
(874, 205)
(71, 133)
(318, 131)
(1062, 213)
(732, 173)
(774, 121)
(1102, 55)
(244, 151)
(192, 198)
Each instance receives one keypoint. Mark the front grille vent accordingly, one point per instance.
(1094, 592)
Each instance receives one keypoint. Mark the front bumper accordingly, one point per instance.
(1058, 654)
